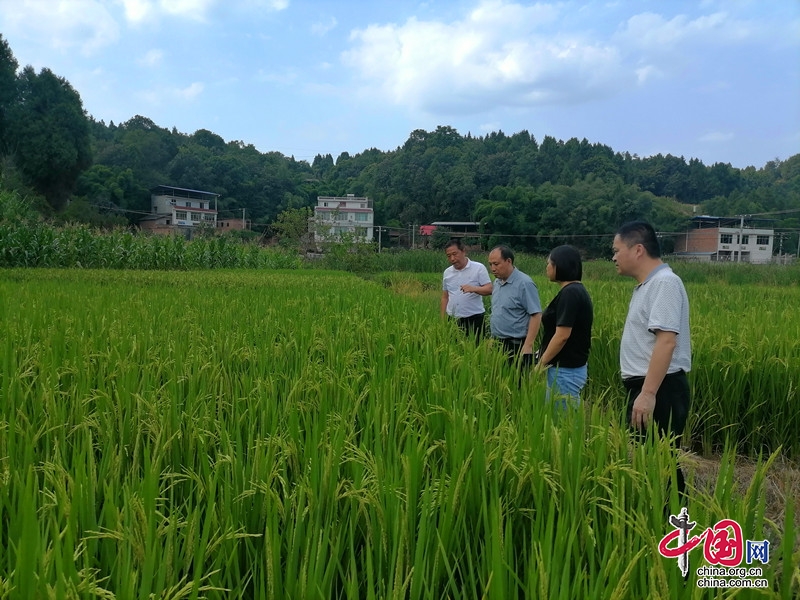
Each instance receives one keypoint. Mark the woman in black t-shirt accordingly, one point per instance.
(567, 327)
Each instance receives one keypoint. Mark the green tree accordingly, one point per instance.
(14, 209)
(81, 211)
(8, 88)
(291, 227)
(49, 133)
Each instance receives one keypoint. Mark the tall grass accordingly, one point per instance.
(311, 435)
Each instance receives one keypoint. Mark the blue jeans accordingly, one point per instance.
(565, 384)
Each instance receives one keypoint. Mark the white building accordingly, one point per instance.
(178, 209)
(725, 239)
(335, 215)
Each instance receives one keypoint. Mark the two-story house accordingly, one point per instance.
(732, 239)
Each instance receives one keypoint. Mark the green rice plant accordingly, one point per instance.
(255, 434)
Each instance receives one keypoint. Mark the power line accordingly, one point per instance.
(774, 212)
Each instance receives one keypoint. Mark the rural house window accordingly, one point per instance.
(195, 216)
(745, 239)
(361, 216)
(180, 215)
(189, 204)
(726, 238)
(762, 239)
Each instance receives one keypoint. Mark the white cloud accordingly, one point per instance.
(83, 24)
(191, 9)
(653, 32)
(164, 95)
(191, 92)
(152, 58)
(324, 27)
(646, 73)
(498, 55)
(285, 77)
(137, 10)
(505, 53)
(716, 137)
(278, 4)
(714, 86)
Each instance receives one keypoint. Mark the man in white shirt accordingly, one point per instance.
(656, 350)
(464, 283)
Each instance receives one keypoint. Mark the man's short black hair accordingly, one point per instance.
(506, 253)
(567, 262)
(455, 242)
(640, 232)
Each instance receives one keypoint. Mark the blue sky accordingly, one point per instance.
(718, 80)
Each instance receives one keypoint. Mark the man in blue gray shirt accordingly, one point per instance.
(516, 309)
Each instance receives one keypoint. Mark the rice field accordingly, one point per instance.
(312, 434)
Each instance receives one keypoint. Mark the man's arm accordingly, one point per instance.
(443, 303)
(481, 290)
(645, 402)
(556, 344)
(533, 330)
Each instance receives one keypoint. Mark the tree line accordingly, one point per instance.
(72, 167)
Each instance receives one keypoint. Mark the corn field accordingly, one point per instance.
(312, 434)
(79, 246)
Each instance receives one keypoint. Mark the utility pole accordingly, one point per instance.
(413, 236)
(380, 230)
(739, 240)
(244, 223)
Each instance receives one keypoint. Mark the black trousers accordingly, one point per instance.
(472, 325)
(670, 412)
(512, 348)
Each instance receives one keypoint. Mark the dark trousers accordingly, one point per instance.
(472, 325)
(512, 348)
(670, 412)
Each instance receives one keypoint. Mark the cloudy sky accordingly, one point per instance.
(718, 80)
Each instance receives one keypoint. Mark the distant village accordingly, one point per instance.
(706, 239)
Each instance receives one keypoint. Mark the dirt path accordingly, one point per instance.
(782, 483)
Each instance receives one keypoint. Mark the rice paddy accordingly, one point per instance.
(312, 434)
